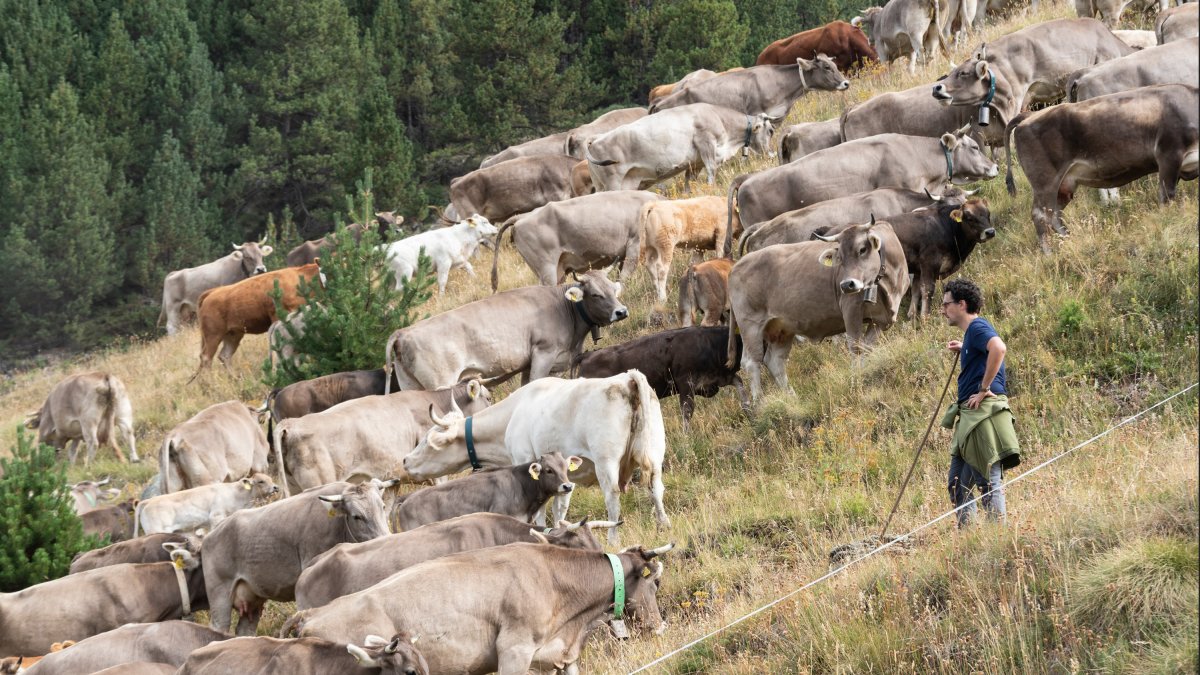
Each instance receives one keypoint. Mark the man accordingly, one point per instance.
(984, 440)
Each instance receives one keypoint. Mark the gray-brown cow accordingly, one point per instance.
(79, 606)
(509, 609)
(520, 491)
(257, 554)
(308, 252)
(546, 145)
(88, 495)
(114, 521)
(145, 549)
(761, 90)
(167, 642)
(87, 407)
(704, 287)
(182, 288)
(514, 186)
(800, 140)
(321, 393)
(219, 444)
(308, 656)
(579, 137)
(1106, 142)
(814, 290)
(349, 568)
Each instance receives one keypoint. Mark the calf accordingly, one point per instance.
(308, 656)
(684, 361)
(697, 223)
(201, 506)
(520, 491)
(81, 605)
(705, 286)
(447, 247)
(87, 495)
(349, 568)
(145, 549)
(806, 138)
(114, 521)
(167, 642)
(86, 407)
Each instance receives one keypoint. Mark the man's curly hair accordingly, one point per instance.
(964, 289)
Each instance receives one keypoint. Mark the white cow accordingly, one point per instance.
(202, 506)
(447, 247)
(614, 424)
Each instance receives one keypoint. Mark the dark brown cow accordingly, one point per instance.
(309, 251)
(684, 361)
(705, 286)
(114, 521)
(228, 313)
(847, 45)
(308, 656)
(140, 550)
(349, 568)
(321, 393)
(1105, 142)
(520, 491)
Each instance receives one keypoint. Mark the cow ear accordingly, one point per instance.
(950, 141)
(956, 215)
(981, 69)
(267, 250)
(804, 63)
(573, 463)
(574, 294)
(876, 242)
(247, 484)
(473, 390)
(238, 255)
(535, 471)
(828, 257)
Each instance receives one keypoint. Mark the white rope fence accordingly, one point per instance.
(1025, 474)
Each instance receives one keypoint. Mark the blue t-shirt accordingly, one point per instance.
(973, 359)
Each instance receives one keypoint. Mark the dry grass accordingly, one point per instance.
(1104, 327)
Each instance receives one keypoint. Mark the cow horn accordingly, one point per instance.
(936, 198)
(856, 21)
(454, 406)
(655, 552)
(538, 535)
(968, 193)
(873, 223)
(963, 129)
(237, 247)
(361, 656)
(824, 238)
(330, 499)
(105, 481)
(603, 524)
(437, 419)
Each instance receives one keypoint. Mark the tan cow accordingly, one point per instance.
(79, 606)
(13, 665)
(256, 555)
(85, 407)
(182, 288)
(815, 291)
(308, 656)
(705, 287)
(512, 609)
(219, 444)
(514, 186)
(363, 437)
(167, 642)
(199, 507)
(228, 313)
(349, 568)
(697, 224)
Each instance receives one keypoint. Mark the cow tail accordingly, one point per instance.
(730, 205)
(731, 355)
(162, 315)
(647, 444)
(687, 305)
(645, 214)
(389, 362)
(937, 22)
(278, 434)
(1073, 85)
(496, 251)
(164, 456)
(109, 398)
(137, 517)
(294, 625)
(1008, 132)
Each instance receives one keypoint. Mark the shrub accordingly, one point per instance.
(42, 532)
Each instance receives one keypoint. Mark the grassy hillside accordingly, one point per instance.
(1097, 565)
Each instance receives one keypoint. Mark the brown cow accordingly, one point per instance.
(115, 521)
(308, 252)
(85, 407)
(847, 45)
(704, 287)
(321, 393)
(228, 313)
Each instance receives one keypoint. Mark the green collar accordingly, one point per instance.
(618, 585)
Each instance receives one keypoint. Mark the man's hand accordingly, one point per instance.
(975, 399)
(954, 345)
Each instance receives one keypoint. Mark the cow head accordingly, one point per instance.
(398, 656)
(479, 226)
(968, 83)
(251, 255)
(821, 73)
(967, 162)
(443, 449)
(641, 586)
(973, 218)
(471, 396)
(866, 19)
(574, 535)
(856, 256)
(361, 506)
(598, 297)
(550, 474)
(259, 485)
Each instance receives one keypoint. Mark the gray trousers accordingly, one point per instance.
(962, 482)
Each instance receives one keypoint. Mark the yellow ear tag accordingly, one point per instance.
(646, 572)
(246, 485)
(827, 261)
(333, 513)
(471, 222)
(534, 473)
(956, 215)
(572, 466)
(574, 294)
(178, 562)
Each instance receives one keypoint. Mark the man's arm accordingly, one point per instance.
(996, 351)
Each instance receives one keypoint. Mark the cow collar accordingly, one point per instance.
(474, 459)
(587, 320)
(873, 289)
(949, 162)
(991, 90)
(618, 571)
(186, 604)
(749, 131)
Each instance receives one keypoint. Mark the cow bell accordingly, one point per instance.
(869, 293)
(984, 115)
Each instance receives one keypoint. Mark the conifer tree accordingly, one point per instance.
(41, 531)
(347, 322)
